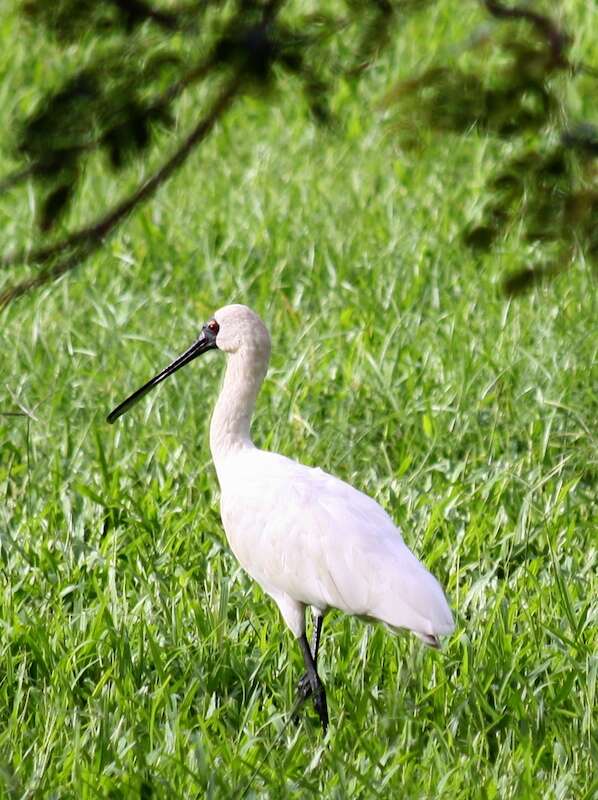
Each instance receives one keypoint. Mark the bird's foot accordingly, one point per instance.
(303, 689)
(306, 690)
(303, 692)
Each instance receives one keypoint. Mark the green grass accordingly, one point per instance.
(136, 658)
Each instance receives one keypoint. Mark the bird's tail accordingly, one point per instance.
(417, 602)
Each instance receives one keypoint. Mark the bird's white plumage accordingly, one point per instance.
(305, 536)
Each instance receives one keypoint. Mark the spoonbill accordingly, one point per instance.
(307, 538)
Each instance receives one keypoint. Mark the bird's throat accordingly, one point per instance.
(231, 420)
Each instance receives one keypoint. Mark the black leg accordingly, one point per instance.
(304, 686)
(315, 639)
(316, 685)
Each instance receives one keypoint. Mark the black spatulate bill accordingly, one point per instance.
(205, 342)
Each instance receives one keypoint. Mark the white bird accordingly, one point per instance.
(307, 538)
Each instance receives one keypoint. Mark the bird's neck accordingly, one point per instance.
(231, 420)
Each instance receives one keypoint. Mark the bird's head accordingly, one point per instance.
(238, 328)
(233, 329)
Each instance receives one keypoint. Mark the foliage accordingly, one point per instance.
(136, 659)
(508, 88)
(136, 60)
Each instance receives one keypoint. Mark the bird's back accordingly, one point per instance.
(303, 532)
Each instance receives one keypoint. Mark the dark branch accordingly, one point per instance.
(84, 241)
(115, 102)
(557, 39)
(161, 103)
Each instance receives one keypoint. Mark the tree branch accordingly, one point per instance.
(557, 39)
(84, 241)
(196, 73)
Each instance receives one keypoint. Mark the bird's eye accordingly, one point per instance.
(213, 326)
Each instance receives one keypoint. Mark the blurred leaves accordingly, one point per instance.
(502, 83)
(114, 102)
(104, 106)
(543, 191)
(504, 86)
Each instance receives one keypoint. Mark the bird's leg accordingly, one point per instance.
(304, 687)
(317, 687)
(310, 683)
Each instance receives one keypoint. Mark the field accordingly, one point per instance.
(136, 658)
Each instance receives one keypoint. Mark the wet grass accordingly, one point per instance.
(136, 659)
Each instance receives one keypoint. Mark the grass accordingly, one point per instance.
(136, 658)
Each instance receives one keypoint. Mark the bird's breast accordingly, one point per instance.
(249, 531)
(265, 529)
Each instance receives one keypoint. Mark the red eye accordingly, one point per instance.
(213, 326)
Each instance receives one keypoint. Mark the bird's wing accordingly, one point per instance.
(370, 568)
(316, 538)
